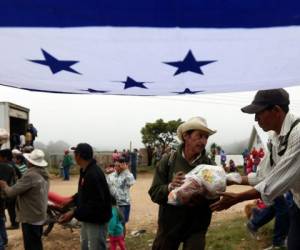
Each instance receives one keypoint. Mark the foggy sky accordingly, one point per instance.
(109, 122)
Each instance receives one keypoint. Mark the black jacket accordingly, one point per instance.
(93, 202)
(7, 174)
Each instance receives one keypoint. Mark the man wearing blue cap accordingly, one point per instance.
(281, 164)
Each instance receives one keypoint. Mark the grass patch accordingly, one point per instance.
(223, 235)
(233, 235)
(141, 242)
(240, 169)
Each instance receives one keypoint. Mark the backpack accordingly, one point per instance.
(171, 164)
(282, 145)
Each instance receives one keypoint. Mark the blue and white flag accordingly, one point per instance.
(158, 47)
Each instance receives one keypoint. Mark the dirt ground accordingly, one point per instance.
(143, 214)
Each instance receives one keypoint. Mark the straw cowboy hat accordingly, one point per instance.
(194, 123)
(36, 157)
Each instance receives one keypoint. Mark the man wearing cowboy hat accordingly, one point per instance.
(32, 198)
(185, 224)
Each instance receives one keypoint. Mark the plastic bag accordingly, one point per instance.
(183, 194)
(234, 177)
(206, 180)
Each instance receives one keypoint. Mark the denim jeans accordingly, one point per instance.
(66, 173)
(3, 234)
(279, 210)
(294, 232)
(93, 236)
(125, 210)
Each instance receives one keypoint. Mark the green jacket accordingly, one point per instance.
(178, 221)
(67, 161)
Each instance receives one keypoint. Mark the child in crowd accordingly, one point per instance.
(232, 166)
(119, 183)
(19, 160)
(115, 228)
(108, 169)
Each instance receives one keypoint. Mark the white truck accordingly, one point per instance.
(14, 118)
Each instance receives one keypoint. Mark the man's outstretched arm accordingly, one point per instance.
(230, 199)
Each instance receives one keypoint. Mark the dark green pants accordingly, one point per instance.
(194, 241)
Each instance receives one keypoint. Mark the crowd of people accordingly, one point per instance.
(102, 201)
(273, 178)
(24, 184)
(103, 198)
(252, 159)
(24, 141)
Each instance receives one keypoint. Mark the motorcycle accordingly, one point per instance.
(55, 209)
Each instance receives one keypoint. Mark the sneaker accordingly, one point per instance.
(274, 247)
(252, 231)
(283, 246)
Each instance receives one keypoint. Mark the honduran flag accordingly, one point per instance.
(155, 47)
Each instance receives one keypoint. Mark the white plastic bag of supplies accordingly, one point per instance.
(205, 180)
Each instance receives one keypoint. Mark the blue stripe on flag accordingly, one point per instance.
(155, 13)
